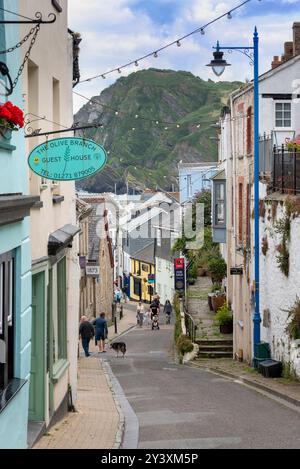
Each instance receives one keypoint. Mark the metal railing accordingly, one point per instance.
(286, 174)
(190, 325)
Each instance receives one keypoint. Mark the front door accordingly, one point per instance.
(37, 374)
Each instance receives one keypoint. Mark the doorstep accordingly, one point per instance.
(34, 431)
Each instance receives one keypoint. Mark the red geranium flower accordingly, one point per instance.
(12, 115)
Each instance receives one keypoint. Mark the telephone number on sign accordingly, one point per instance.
(76, 175)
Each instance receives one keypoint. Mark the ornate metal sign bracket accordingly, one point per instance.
(38, 20)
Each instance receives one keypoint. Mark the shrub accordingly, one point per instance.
(217, 268)
(216, 287)
(293, 327)
(184, 345)
(224, 315)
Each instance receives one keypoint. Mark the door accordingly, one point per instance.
(37, 373)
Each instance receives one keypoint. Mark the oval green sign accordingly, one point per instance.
(67, 159)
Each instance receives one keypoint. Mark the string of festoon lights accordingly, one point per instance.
(177, 42)
(167, 124)
(170, 125)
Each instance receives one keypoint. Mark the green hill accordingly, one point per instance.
(148, 155)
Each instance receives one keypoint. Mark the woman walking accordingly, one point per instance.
(140, 314)
(168, 311)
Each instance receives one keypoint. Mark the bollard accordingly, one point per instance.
(116, 326)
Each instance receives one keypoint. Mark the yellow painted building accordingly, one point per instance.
(142, 267)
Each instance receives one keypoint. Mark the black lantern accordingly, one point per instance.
(218, 64)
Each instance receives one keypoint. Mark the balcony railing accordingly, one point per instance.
(286, 174)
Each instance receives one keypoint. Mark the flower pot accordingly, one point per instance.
(209, 300)
(5, 133)
(218, 301)
(201, 272)
(227, 328)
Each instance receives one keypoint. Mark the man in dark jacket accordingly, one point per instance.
(86, 332)
(101, 331)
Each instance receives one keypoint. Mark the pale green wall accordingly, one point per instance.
(14, 178)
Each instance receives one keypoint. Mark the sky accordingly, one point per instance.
(115, 32)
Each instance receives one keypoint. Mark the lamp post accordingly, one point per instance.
(218, 65)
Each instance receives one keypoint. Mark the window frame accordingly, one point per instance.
(7, 300)
(283, 128)
(218, 183)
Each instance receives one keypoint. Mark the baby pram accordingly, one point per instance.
(154, 322)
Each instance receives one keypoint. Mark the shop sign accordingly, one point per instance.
(67, 159)
(92, 270)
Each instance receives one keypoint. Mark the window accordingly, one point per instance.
(6, 319)
(158, 237)
(145, 268)
(60, 311)
(189, 186)
(249, 131)
(220, 217)
(283, 114)
(240, 214)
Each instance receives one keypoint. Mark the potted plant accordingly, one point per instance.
(224, 319)
(215, 289)
(218, 300)
(217, 269)
(11, 118)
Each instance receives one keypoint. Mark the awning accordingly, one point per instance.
(61, 238)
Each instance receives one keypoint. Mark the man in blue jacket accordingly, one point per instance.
(101, 331)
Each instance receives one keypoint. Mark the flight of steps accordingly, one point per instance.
(215, 348)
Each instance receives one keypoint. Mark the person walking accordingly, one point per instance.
(168, 311)
(101, 331)
(140, 314)
(86, 332)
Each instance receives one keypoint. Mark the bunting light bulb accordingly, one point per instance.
(155, 55)
(103, 76)
(202, 31)
(229, 15)
(136, 63)
(119, 70)
(178, 43)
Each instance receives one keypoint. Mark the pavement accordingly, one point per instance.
(183, 407)
(98, 421)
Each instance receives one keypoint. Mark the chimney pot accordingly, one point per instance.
(296, 38)
(288, 51)
(276, 61)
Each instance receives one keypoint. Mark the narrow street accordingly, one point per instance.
(181, 407)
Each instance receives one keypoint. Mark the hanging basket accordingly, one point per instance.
(5, 133)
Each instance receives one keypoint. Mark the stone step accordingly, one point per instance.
(215, 348)
(215, 342)
(215, 354)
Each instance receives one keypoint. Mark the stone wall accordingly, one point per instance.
(279, 292)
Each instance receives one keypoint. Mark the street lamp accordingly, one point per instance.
(218, 65)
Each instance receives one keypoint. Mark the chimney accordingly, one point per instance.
(296, 39)
(276, 62)
(288, 51)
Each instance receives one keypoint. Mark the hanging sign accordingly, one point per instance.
(67, 159)
(236, 271)
(92, 270)
(179, 274)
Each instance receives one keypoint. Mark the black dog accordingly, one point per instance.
(119, 347)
